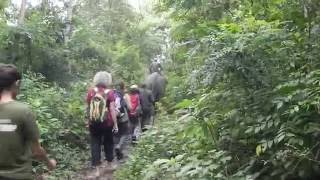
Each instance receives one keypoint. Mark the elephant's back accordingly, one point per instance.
(156, 83)
(150, 80)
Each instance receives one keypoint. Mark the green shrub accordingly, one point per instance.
(60, 118)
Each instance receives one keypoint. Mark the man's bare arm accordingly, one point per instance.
(40, 154)
(114, 116)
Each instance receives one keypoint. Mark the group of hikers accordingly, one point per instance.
(127, 113)
(114, 115)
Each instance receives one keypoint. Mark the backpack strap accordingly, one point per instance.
(105, 92)
(105, 95)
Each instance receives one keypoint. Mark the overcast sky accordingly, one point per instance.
(134, 3)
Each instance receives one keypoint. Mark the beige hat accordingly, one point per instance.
(134, 86)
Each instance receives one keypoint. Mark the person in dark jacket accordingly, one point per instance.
(148, 107)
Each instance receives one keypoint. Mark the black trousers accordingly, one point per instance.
(121, 137)
(101, 137)
(146, 120)
(134, 126)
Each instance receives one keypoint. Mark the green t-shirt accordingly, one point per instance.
(18, 130)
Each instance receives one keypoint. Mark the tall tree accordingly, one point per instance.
(68, 30)
(22, 12)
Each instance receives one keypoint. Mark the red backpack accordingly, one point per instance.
(135, 105)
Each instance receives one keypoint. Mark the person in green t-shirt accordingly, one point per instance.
(19, 134)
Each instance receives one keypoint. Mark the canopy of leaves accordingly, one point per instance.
(245, 73)
(58, 48)
(251, 70)
(108, 38)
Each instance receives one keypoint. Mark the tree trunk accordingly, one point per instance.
(45, 6)
(68, 30)
(22, 11)
(110, 4)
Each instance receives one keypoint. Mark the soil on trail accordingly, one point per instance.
(105, 172)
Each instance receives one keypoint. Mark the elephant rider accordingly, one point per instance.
(147, 102)
(155, 66)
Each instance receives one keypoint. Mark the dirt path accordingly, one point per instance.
(105, 172)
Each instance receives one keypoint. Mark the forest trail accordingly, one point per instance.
(247, 72)
(105, 173)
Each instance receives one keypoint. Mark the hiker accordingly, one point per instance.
(123, 119)
(101, 118)
(133, 100)
(19, 133)
(147, 105)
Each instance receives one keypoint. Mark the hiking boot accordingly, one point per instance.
(134, 138)
(119, 153)
(122, 161)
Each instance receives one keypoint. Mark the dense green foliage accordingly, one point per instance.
(251, 84)
(107, 38)
(59, 47)
(60, 119)
(244, 73)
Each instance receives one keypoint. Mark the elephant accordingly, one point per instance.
(157, 84)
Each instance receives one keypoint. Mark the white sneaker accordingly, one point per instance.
(111, 166)
(95, 173)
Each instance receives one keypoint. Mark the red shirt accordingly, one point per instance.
(110, 98)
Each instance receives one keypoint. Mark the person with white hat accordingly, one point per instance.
(134, 111)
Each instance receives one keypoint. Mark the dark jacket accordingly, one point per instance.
(147, 101)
